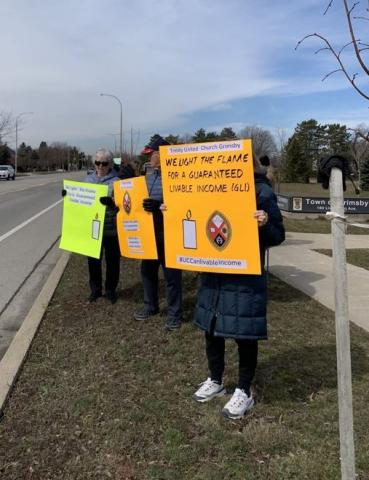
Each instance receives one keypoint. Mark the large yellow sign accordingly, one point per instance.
(209, 192)
(135, 226)
(83, 218)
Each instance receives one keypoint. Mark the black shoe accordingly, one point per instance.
(173, 324)
(111, 297)
(94, 296)
(144, 314)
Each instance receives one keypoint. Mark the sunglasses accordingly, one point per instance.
(103, 164)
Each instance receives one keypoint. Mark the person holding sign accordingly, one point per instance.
(105, 174)
(234, 306)
(150, 268)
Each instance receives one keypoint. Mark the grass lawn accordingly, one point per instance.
(315, 189)
(102, 396)
(317, 225)
(355, 256)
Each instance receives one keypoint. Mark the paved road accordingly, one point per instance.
(30, 218)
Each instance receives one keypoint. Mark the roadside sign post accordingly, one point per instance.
(347, 452)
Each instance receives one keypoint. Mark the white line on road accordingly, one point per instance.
(15, 229)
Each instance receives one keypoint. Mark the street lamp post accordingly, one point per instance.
(16, 138)
(121, 120)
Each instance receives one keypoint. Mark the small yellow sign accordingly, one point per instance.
(209, 192)
(83, 218)
(135, 226)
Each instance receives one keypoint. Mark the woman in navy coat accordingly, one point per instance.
(234, 306)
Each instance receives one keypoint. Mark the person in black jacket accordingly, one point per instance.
(150, 268)
(234, 306)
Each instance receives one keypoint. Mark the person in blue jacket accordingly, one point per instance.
(104, 174)
(234, 306)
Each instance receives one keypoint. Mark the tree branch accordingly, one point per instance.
(353, 38)
(360, 134)
(328, 7)
(336, 55)
(331, 73)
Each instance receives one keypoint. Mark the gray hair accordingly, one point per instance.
(105, 153)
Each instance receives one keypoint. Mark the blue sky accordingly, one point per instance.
(176, 65)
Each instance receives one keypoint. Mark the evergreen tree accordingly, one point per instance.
(212, 137)
(312, 139)
(364, 184)
(4, 154)
(227, 134)
(337, 139)
(296, 166)
(172, 139)
(199, 136)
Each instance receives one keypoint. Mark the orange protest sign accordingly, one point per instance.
(135, 226)
(209, 192)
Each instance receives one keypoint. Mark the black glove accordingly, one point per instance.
(325, 168)
(151, 205)
(107, 201)
(63, 192)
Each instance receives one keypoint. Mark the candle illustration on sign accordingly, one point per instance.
(189, 232)
(218, 230)
(96, 227)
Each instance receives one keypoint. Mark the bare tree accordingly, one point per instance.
(358, 45)
(282, 138)
(359, 148)
(6, 125)
(263, 142)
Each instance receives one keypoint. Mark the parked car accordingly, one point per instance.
(7, 172)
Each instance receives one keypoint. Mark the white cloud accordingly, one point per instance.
(163, 58)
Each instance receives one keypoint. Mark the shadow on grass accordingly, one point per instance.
(293, 275)
(299, 373)
(281, 293)
(133, 293)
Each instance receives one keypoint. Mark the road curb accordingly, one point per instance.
(14, 357)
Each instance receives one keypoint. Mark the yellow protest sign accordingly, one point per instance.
(209, 192)
(135, 226)
(83, 218)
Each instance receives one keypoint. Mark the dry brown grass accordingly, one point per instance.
(102, 396)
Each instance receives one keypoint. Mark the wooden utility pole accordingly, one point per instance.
(347, 450)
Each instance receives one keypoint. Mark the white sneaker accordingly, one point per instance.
(208, 390)
(238, 404)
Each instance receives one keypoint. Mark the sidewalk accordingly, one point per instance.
(297, 264)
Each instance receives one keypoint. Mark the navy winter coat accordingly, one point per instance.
(231, 305)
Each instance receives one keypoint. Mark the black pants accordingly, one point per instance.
(247, 356)
(110, 246)
(173, 284)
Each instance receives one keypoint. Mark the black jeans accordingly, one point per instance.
(247, 357)
(173, 284)
(110, 246)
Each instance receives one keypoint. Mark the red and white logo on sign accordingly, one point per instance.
(218, 230)
(127, 204)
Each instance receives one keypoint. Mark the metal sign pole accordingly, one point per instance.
(342, 328)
